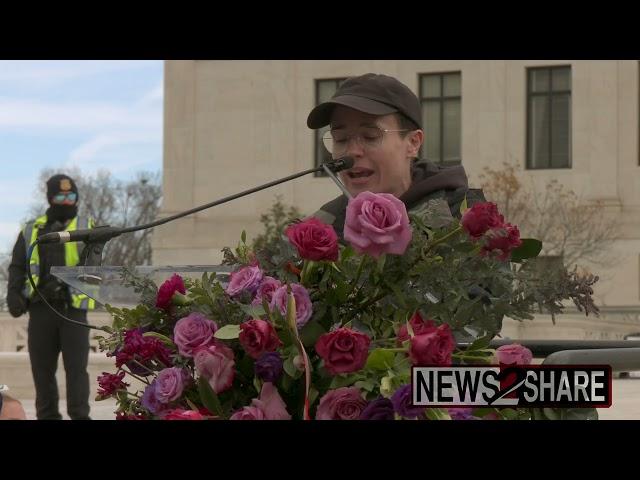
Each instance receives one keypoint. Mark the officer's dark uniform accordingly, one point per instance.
(48, 333)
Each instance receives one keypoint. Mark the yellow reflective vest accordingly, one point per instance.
(71, 257)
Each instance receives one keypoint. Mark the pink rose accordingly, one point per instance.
(170, 384)
(216, 364)
(246, 279)
(192, 332)
(257, 337)
(433, 348)
(248, 413)
(168, 289)
(480, 218)
(377, 224)
(266, 290)
(344, 403)
(343, 350)
(269, 406)
(502, 241)
(514, 354)
(314, 240)
(179, 414)
(418, 325)
(304, 309)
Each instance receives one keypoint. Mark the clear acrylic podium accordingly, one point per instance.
(106, 284)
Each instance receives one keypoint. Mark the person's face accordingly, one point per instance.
(382, 159)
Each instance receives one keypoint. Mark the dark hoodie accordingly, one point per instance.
(428, 181)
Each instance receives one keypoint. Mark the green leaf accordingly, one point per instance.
(481, 343)
(340, 381)
(228, 332)
(254, 311)
(310, 333)
(209, 398)
(463, 206)
(530, 248)
(290, 368)
(380, 359)
(243, 236)
(437, 414)
(397, 292)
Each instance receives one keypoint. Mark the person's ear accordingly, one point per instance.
(415, 138)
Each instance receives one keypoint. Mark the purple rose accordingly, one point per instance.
(150, 401)
(268, 367)
(378, 409)
(377, 224)
(170, 383)
(246, 279)
(461, 413)
(266, 290)
(304, 310)
(344, 403)
(192, 332)
(402, 403)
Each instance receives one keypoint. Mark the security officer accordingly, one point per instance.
(48, 333)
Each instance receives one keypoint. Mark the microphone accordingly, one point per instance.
(344, 163)
(97, 234)
(103, 234)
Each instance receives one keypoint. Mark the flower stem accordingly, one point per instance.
(441, 240)
(136, 377)
(358, 273)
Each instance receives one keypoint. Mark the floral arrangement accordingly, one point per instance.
(309, 328)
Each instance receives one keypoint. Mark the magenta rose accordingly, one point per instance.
(314, 240)
(245, 279)
(377, 223)
(257, 337)
(304, 309)
(433, 348)
(216, 364)
(170, 384)
(344, 403)
(266, 290)
(502, 240)
(179, 414)
(514, 354)
(192, 332)
(343, 350)
(168, 289)
(418, 325)
(480, 218)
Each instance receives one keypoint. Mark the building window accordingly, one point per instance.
(440, 97)
(549, 117)
(324, 91)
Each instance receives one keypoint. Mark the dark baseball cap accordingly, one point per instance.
(370, 93)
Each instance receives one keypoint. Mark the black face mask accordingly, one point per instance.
(62, 213)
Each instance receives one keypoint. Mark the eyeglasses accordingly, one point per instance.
(65, 197)
(337, 141)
